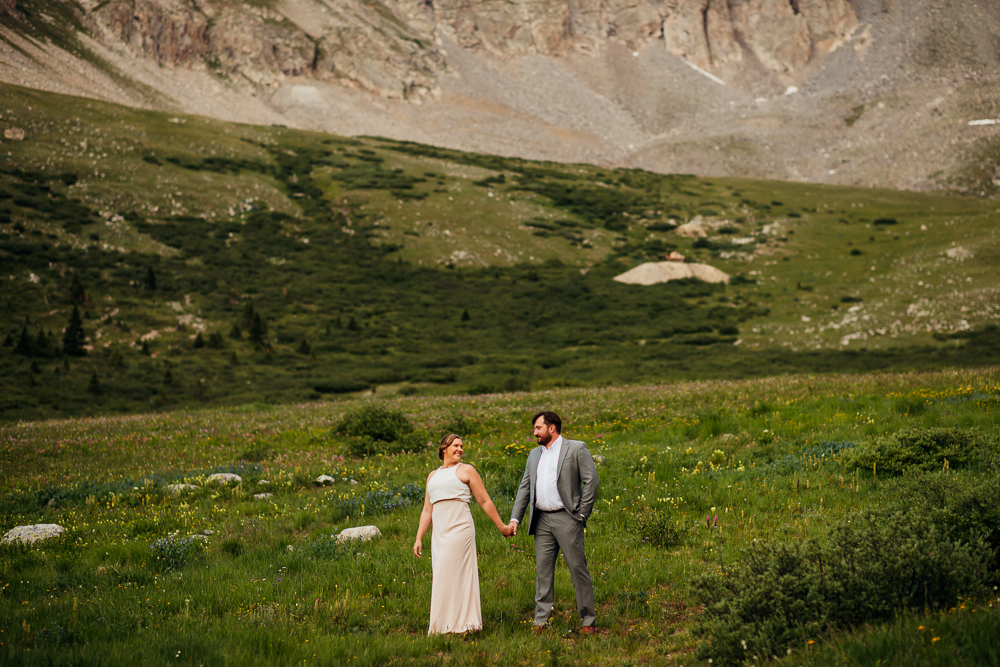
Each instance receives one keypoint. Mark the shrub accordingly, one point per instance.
(375, 503)
(654, 527)
(341, 386)
(170, 553)
(377, 429)
(325, 547)
(872, 565)
(921, 449)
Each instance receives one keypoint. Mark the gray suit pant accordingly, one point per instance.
(553, 532)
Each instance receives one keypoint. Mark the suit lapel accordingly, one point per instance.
(562, 457)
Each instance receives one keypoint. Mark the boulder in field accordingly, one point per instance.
(178, 489)
(324, 480)
(34, 533)
(364, 533)
(224, 478)
(262, 496)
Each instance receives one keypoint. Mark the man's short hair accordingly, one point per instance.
(550, 418)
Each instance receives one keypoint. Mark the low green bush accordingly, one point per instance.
(654, 527)
(374, 429)
(921, 449)
(872, 565)
(171, 553)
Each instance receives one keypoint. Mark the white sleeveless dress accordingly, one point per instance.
(455, 604)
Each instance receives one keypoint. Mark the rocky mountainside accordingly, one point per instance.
(872, 92)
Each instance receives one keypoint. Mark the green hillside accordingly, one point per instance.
(214, 263)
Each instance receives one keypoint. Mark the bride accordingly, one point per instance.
(455, 605)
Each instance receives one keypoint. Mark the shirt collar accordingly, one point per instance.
(556, 444)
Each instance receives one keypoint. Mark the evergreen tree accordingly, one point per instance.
(65, 362)
(34, 366)
(234, 360)
(465, 315)
(95, 384)
(77, 290)
(168, 377)
(258, 331)
(145, 348)
(236, 332)
(41, 344)
(74, 338)
(248, 314)
(199, 342)
(24, 343)
(117, 359)
(150, 279)
(8, 340)
(216, 342)
(352, 325)
(304, 347)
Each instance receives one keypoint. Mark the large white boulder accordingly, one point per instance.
(34, 533)
(651, 273)
(359, 533)
(224, 478)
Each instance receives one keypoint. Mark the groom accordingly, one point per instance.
(560, 484)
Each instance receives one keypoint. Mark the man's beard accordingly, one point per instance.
(545, 438)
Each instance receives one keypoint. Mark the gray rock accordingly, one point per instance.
(354, 481)
(33, 533)
(262, 496)
(263, 482)
(224, 478)
(178, 489)
(363, 533)
(324, 480)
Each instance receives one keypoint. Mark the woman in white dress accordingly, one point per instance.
(455, 605)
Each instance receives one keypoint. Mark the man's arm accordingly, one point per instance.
(522, 497)
(588, 476)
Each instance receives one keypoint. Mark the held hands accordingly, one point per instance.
(506, 531)
(512, 527)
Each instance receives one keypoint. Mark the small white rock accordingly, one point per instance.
(323, 480)
(224, 478)
(263, 481)
(178, 489)
(208, 531)
(33, 533)
(354, 481)
(262, 496)
(364, 533)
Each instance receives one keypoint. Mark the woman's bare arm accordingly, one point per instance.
(425, 521)
(475, 483)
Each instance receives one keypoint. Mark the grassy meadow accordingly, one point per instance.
(213, 264)
(785, 467)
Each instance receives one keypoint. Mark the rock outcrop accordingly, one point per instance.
(33, 533)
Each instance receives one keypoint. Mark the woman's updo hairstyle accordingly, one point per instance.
(446, 443)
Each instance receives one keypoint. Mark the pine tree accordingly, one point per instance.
(145, 348)
(234, 360)
(150, 279)
(248, 314)
(236, 332)
(258, 331)
(95, 384)
(216, 342)
(168, 377)
(77, 290)
(304, 347)
(117, 359)
(74, 338)
(24, 343)
(34, 366)
(199, 342)
(41, 345)
(8, 340)
(352, 325)
(465, 315)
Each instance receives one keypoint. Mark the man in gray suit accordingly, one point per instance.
(560, 485)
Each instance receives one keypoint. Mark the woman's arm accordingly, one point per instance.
(425, 521)
(475, 483)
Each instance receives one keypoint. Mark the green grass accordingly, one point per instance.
(756, 453)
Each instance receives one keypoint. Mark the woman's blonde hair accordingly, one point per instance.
(446, 443)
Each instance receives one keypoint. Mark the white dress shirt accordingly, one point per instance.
(546, 491)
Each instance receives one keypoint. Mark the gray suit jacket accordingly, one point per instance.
(576, 469)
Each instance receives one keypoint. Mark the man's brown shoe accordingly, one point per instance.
(538, 629)
(588, 630)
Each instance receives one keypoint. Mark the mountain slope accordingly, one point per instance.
(885, 89)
